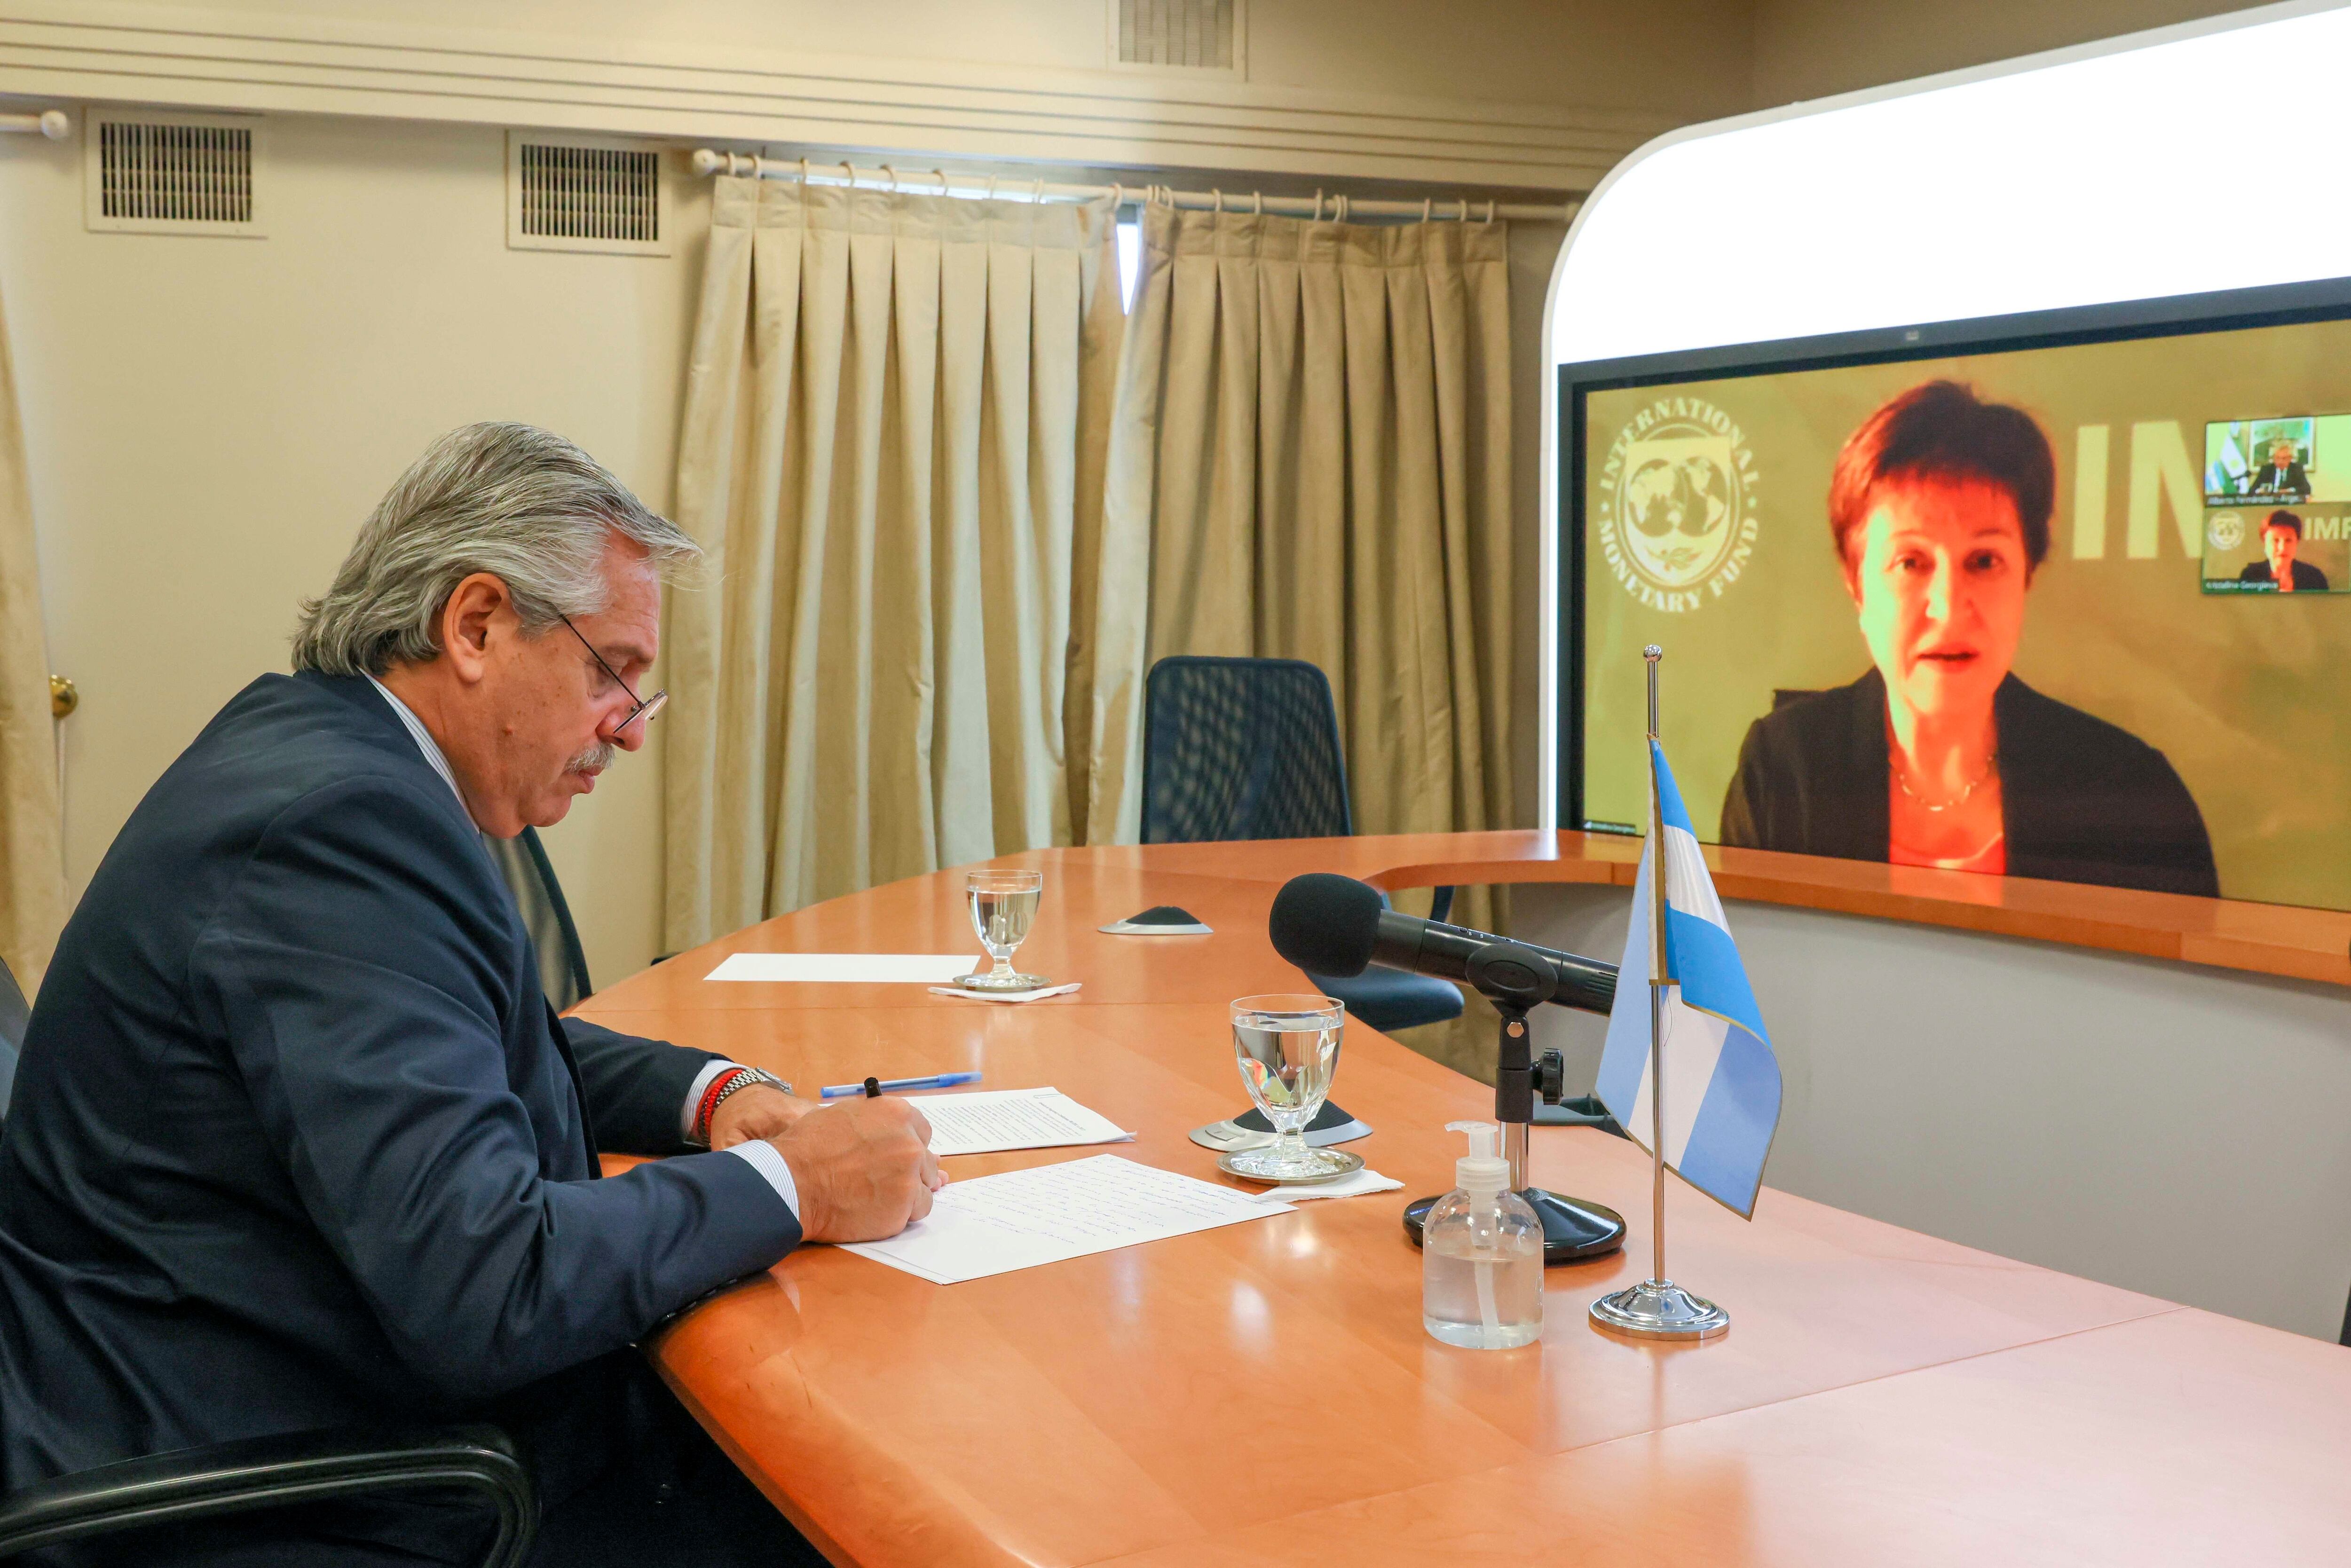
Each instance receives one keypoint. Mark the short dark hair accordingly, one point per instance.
(1941, 430)
(2282, 518)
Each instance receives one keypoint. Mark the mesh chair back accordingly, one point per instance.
(539, 898)
(1240, 748)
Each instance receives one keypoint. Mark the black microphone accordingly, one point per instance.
(1336, 926)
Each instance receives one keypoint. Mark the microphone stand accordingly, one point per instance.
(1573, 1227)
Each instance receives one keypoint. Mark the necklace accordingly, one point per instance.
(1992, 766)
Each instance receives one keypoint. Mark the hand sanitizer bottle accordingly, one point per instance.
(1482, 1254)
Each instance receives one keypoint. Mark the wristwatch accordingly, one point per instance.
(725, 1084)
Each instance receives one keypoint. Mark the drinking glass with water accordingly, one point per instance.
(1288, 1051)
(1003, 906)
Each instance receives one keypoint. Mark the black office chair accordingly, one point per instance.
(1249, 749)
(562, 962)
(193, 1484)
(166, 1489)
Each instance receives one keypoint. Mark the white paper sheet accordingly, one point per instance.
(1007, 995)
(902, 968)
(1355, 1184)
(996, 1224)
(989, 1120)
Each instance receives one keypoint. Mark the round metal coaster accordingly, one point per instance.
(1350, 1164)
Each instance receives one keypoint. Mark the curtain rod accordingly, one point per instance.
(55, 123)
(1460, 209)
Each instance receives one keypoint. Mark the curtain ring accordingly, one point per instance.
(1220, 202)
(850, 170)
(803, 174)
(1117, 199)
(943, 189)
(1258, 197)
(759, 167)
(1428, 205)
(1464, 209)
(893, 178)
(1490, 211)
(1037, 194)
(1338, 205)
(1318, 206)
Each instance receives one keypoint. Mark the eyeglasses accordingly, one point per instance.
(646, 706)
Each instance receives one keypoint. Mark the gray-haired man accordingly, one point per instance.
(297, 1141)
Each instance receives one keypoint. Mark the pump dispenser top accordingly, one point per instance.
(1482, 1169)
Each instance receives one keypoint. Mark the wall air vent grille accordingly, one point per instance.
(1178, 34)
(584, 194)
(152, 173)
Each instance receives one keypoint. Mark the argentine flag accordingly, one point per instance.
(1722, 1083)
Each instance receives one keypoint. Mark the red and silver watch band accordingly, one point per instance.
(720, 1087)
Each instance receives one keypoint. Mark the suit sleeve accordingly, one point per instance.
(353, 971)
(636, 1088)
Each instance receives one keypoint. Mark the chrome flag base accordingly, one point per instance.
(1659, 1309)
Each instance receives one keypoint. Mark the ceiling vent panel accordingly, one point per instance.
(587, 194)
(154, 172)
(1189, 35)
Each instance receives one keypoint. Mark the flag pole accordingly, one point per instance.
(1657, 1308)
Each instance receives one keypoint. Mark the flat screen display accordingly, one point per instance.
(2079, 611)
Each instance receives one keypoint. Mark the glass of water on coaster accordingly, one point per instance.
(1003, 906)
(1288, 1049)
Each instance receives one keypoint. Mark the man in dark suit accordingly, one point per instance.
(2283, 474)
(2281, 540)
(297, 1141)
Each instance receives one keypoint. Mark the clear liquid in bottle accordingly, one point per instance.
(1482, 1254)
(1482, 1297)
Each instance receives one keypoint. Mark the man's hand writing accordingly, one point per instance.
(864, 1167)
(761, 1111)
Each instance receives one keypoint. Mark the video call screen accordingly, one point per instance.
(2076, 613)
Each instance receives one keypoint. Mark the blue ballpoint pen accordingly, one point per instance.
(936, 1081)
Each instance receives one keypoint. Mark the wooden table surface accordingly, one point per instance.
(1264, 1394)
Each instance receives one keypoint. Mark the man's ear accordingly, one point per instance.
(479, 607)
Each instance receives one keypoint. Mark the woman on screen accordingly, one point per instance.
(1939, 756)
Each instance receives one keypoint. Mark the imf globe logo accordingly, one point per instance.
(1674, 509)
(2226, 530)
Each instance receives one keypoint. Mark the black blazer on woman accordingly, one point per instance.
(2081, 799)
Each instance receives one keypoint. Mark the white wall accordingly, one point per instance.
(1689, 58)
(1812, 48)
(2159, 1127)
(207, 420)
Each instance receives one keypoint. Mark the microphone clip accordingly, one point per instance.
(1513, 976)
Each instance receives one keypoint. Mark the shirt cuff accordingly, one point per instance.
(770, 1164)
(693, 1095)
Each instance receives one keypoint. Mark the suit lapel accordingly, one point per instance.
(1870, 824)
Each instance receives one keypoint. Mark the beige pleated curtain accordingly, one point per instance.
(32, 852)
(896, 418)
(1313, 424)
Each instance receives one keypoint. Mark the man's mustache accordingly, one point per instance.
(594, 760)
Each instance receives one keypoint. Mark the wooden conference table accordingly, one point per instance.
(1264, 1394)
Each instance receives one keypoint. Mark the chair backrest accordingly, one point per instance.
(1240, 748)
(555, 941)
